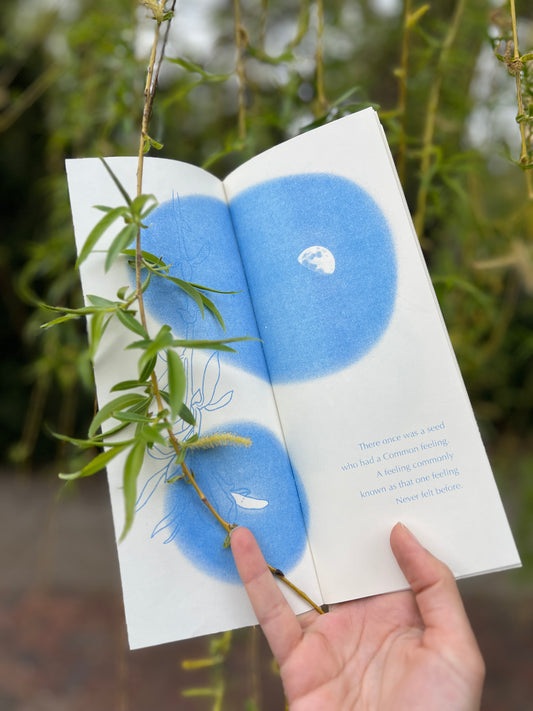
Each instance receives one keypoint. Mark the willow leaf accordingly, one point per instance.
(98, 230)
(61, 319)
(186, 415)
(131, 322)
(210, 306)
(177, 382)
(117, 182)
(95, 465)
(120, 403)
(121, 241)
(148, 256)
(100, 301)
(97, 329)
(132, 468)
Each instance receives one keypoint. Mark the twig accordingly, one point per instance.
(149, 95)
(516, 68)
(319, 58)
(241, 40)
(431, 116)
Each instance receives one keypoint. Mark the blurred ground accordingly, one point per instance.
(62, 638)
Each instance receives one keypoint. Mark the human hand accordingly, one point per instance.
(410, 650)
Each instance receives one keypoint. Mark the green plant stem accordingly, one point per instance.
(149, 93)
(516, 69)
(319, 58)
(431, 116)
(241, 41)
(402, 93)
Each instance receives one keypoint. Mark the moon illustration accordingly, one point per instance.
(248, 502)
(317, 259)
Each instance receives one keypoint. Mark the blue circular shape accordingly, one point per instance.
(315, 321)
(194, 235)
(253, 487)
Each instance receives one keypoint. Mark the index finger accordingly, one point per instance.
(273, 612)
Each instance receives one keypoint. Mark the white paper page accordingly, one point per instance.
(178, 581)
(374, 411)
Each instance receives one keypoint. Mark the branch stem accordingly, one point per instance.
(149, 94)
(431, 117)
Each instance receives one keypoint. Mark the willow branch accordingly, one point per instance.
(149, 95)
(516, 68)
(431, 116)
(402, 94)
(319, 58)
(241, 40)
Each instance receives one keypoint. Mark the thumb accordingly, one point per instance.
(435, 589)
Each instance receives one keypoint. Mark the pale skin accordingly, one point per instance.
(405, 651)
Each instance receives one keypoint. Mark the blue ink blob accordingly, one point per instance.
(321, 269)
(195, 235)
(253, 487)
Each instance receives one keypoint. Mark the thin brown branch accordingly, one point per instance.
(241, 40)
(149, 95)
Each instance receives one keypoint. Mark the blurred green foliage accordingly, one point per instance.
(71, 85)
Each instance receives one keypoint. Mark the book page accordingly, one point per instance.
(375, 415)
(178, 580)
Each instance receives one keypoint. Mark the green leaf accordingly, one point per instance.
(97, 441)
(215, 291)
(83, 311)
(61, 319)
(95, 465)
(213, 309)
(117, 182)
(197, 69)
(151, 347)
(186, 415)
(148, 256)
(98, 230)
(97, 328)
(100, 301)
(122, 240)
(216, 345)
(147, 368)
(140, 201)
(131, 322)
(177, 382)
(151, 434)
(131, 416)
(132, 468)
(116, 405)
(187, 288)
(128, 385)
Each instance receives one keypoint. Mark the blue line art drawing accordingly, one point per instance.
(194, 234)
(202, 398)
(311, 325)
(254, 487)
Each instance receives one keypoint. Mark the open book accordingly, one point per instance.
(352, 396)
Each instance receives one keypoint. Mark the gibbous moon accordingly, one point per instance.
(317, 259)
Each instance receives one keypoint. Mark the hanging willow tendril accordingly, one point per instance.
(132, 408)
